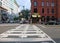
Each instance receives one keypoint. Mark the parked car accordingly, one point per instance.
(25, 22)
(42, 22)
(21, 22)
(11, 21)
(17, 21)
(58, 23)
(51, 23)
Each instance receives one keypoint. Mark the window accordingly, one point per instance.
(42, 3)
(47, 10)
(52, 4)
(35, 10)
(47, 3)
(42, 10)
(52, 11)
(35, 3)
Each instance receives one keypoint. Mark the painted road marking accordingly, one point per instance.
(44, 32)
(42, 26)
(25, 33)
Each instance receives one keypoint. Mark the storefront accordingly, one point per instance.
(35, 18)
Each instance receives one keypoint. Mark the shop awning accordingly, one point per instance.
(36, 15)
(39, 15)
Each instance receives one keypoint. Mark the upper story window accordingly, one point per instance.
(52, 11)
(42, 3)
(35, 3)
(42, 10)
(47, 3)
(48, 11)
(52, 4)
(35, 10)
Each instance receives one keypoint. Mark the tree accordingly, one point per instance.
(16, 18)
(25, 13)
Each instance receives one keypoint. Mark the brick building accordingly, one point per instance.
(47, 9)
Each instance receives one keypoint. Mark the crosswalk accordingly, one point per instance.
(25, 33)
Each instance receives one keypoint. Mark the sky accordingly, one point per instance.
(25, 3)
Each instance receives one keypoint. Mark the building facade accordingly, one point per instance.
(16, 7)
(8, 7)
(47, 9)
(2, 10)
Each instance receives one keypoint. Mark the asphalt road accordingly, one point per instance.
(26, 33)
(52, 30)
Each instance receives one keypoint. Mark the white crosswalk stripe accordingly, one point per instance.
(26, 33)
(42, 26)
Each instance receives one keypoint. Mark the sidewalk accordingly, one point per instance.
(6, 24)
(5, 27)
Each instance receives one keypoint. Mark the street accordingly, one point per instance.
(29, 21)
(51, 31)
